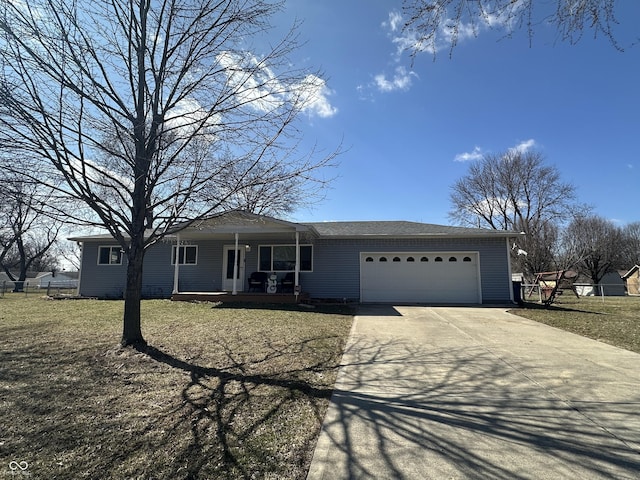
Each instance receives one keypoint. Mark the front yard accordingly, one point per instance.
(222, 392)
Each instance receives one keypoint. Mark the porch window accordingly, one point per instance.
(282, 258)
(187, 254)
(110, 256)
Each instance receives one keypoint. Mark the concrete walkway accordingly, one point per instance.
(458, 393)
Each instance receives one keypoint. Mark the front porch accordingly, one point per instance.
(240, 297)
(244, 245)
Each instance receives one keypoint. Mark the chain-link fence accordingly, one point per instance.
(29, 287)
(533, 292)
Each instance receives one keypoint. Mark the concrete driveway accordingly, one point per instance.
(456, 393)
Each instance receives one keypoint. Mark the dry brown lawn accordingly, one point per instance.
(613, 320)
(222, 392)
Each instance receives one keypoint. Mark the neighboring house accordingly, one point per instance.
(43, 280)
(368, 261)
(585, 289)
(632, 280)
(55, 280)
(611, 285)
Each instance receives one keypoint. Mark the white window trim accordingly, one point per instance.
(174, 251)
(271, 245)
(110, 247)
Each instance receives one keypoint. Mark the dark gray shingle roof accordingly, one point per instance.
(400, 229)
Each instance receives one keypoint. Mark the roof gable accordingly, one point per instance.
(631, 271)
(238, 221)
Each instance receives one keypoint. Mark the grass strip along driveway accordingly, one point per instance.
(612, 320)
(222, 392)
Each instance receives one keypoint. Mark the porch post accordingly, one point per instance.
(236, 257)
(176, 267)
(297, 269)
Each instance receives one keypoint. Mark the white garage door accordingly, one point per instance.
(423, 277)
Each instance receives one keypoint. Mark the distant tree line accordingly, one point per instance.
(553, 231)
(27, 231)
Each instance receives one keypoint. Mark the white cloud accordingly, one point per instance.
(255, 84)
(401, 80)
(313, 97)
(188, 116)
(404, 39)
(395, 21)
(476, 154)
(258, 86)
(408, 40)
(480, 20)
(464, 31)
(101, 176)
(507, 17)
(523, 147)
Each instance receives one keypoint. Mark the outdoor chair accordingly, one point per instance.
(258, 281)
(288, 282)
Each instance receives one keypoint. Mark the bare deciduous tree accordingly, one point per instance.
(27, 232)
(140, 109)
(597, 242)
(516, 191)
(437, 23)
(631, 233)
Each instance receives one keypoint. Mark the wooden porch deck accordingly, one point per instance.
(240, 297)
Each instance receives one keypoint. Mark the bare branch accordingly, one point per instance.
(516, 191)
(153, 113)
(435, 25)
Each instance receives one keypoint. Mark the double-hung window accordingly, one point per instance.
(282, 258)
(109, 255)
(187, 254)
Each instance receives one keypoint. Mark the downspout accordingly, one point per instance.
(176, 267)
(81, 245)
(236, 259)
(510, 272)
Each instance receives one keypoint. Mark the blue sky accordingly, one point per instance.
(411, 131)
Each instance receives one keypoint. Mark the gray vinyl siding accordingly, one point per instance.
(204, 276)
(104, 281)
(157, 272)
(337, 264)
(108, 281)
(336, 270)
(335, 275)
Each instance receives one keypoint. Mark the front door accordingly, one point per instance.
(230, 255)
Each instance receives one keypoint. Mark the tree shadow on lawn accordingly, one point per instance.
(249, 416)
(444, 411)
(554, 308)
(95, 411)
(459, 409)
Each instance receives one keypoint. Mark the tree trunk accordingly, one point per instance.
(132, 332)
(22, 276)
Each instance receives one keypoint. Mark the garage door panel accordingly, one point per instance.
(418, 277)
